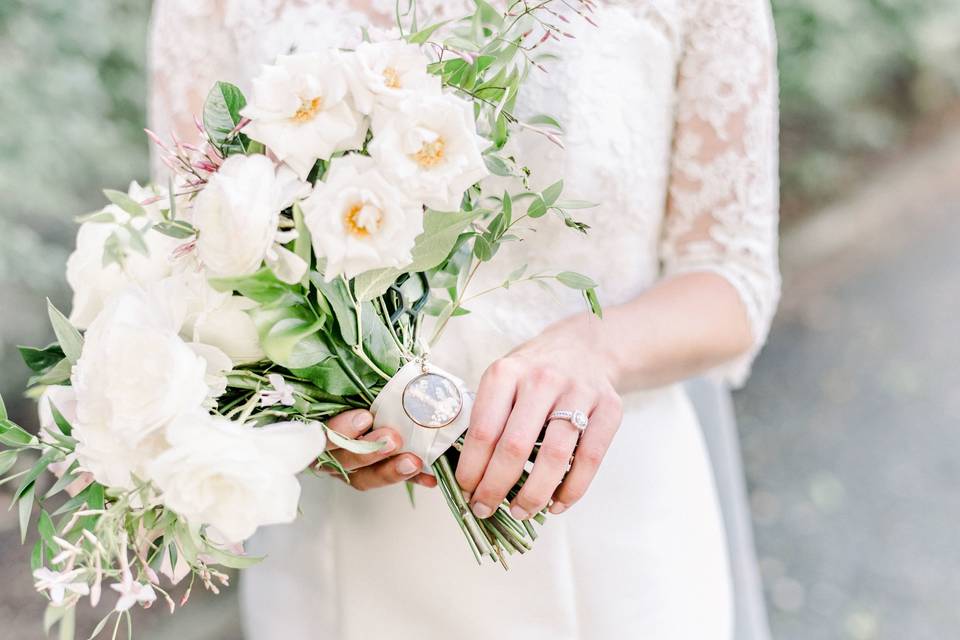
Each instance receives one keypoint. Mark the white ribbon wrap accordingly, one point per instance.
(427, 444)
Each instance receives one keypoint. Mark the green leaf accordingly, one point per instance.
(575, 280)
(378, 341)
(433, 246)
(41, 465)
(497, 165)
(262, 287)
(338, 297)
(7, 460)
(423, 35)
(36, 556)
(329, 375)
(39, 360)
(25, 508)
(575, 204)
(288, 335)
(13, 435)
(552, 193)
(221, 114)
(301, 245)
(354, 446)
(545, 119)
(62, 423)
(594, 302)
(537, 208)
(125, 202)
(231, 560)
(3, 410)
(67, 335)
(57, 374)
(178, 229)
(46, 529)
(482, 249)
(63, 481)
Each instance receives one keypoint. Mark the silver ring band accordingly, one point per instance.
(577, 418)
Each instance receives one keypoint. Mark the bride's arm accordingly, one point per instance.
(712, 309)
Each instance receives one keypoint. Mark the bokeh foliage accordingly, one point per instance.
(856, 75)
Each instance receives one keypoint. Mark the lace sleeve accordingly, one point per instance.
(723, 200)
(189, 50)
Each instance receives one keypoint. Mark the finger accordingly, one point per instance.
(491, 409)
(589, 453)
(553, 459)
(391, 442)
(350, 424)
(425, 480)
(396, 469)
(534, 401)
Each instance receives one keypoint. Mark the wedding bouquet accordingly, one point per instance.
(299, 263)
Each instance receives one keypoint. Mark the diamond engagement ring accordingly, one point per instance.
(576, 418)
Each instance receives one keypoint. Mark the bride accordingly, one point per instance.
(670, 115)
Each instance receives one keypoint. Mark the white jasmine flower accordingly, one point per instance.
(386, 73)
(300, 110)
(359, 221)
(237, 214)
(234, 477)
(58, 584)
(282, 392)
(134, 376)
(132, 592)
(430, 146)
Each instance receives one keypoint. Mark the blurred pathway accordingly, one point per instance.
(851, 422)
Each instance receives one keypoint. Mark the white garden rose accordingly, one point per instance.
(215, 318)
(359, 221)
(134, 376)
(92, 281)
(300, 109)
(430, 146)
(386, 73)
(232, 476)
(237, 212)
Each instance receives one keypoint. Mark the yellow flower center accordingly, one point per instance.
(308, 109)
(391, 78)
(430, 154)
(362, 219)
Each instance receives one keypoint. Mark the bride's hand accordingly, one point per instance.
(561, 369)
(381, 468)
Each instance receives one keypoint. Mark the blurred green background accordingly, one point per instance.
(865, 83)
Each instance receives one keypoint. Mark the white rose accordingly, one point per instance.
(386, 73)
(299, 109)
(134, 376)
(215, 318)
(430, 146)
(92, 281)
(234, 477)
(359, 221)
(237, 212)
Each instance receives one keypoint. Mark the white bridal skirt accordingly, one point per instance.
(643, 555)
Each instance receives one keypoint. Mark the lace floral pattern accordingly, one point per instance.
(684, 161)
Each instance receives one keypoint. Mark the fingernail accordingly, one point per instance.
(467, 495)
(386, 445)
(557, 507)
(363, 420)
(406, 467)
(519, 513)
(481, 510)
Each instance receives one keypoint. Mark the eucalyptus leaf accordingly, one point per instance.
(7, 460)
(423, 35)
(575, 280)
(125, 202)
(362, 447)
(178, 229)
(537, 208)
(68, 337)
(552, 193)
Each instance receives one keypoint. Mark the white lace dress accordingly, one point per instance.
(670, 113)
